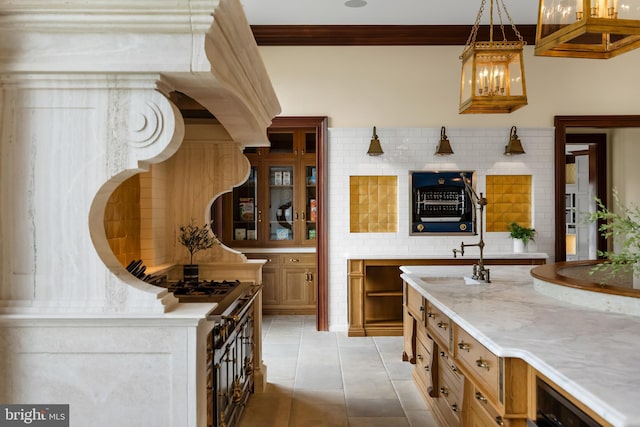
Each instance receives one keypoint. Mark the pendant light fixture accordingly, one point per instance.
(492, 71)
(374, 146)
(444, 147)
(595, 29)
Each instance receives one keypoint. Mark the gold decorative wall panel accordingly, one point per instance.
(373, 204)
(122, 220)
(509, 199)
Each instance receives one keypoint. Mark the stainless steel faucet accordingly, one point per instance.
(479, 271)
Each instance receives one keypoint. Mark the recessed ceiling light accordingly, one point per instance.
(355, 3)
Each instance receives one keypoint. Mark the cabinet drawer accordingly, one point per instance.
(449, 404)
(415, 303)
(482, 413)
(299, 259)
(449, 387)
(439, 325)
(425, 365)
(271, 258)
(446, 363)
(481, 364)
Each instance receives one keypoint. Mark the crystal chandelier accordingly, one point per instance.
(492, 71)
(597, 29)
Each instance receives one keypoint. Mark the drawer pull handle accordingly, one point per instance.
(294, 260)
(422, 308)
(427, 368)
(430, 315)
(443, 325)
(499, 420)
(454, 407)
(482, 364)
(420, 357)
(443, 355)
(453, 368)
(444, 391)
(480, 397)
(464, 346)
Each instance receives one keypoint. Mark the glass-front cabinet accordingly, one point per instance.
(310, 214)
(245, 200)
(282, 198)
(277, 206)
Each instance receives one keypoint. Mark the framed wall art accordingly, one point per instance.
(440, 203)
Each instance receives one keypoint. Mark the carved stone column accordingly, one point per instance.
(83, 106)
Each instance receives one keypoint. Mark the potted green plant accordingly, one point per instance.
(521, 236)
(195, 239)
(622, 225)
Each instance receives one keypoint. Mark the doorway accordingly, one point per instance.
(565, 125)
(586, 173)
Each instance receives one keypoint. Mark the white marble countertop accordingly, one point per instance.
(591, 354)
(472, 257)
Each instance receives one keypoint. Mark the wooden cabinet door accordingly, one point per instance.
(296, 289)
(270, 286)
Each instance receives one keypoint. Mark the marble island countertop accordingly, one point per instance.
(591, 354)
(471, 256)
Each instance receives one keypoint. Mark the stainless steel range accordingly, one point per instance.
(230, 344)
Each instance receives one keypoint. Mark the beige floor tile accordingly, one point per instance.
(307, 414)
(421, 419)
(358, 407)
(378, 422)
(409, 396)
(327, 379)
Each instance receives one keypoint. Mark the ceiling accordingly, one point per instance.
(381, 12)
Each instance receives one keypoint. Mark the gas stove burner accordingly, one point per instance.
(224, 283)
(205, 284)
(203, 291)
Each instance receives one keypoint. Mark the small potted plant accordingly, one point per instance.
(521, 236)
(623, 226)
(195, 239)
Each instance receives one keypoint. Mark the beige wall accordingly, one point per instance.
(418, 86)
(625, 153)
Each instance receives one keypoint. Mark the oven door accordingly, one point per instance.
(554, 410)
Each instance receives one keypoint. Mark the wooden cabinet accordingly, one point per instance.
(375, 291)
(468, 385)
(289, 282)
(278, 205)
(481, 363)
(439, 326)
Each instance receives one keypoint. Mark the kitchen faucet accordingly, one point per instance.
(479, 271)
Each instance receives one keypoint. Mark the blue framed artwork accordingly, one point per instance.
(440, 203)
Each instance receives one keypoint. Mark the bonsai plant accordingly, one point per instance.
(195, 239)
(521, 235)
(623, 225)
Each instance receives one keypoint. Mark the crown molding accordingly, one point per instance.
(378, 35)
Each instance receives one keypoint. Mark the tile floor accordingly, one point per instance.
(329, 379)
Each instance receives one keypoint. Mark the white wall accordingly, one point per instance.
(407, 149)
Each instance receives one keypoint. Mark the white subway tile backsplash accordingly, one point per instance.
(409, 149)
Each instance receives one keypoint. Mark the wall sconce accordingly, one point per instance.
(374, 147)
(514, 146)
(444, 147)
